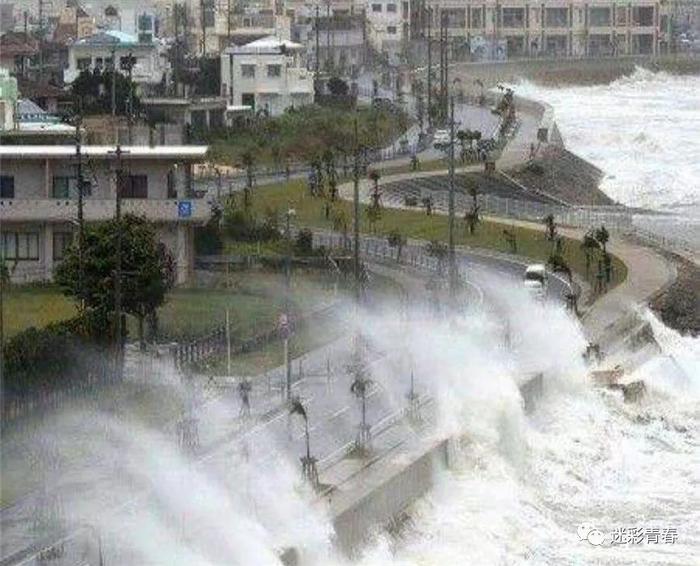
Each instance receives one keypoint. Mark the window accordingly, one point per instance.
(67, 187)
(248, 71)
(134, 186)
(84, 63)
(406, 12)
(391, 29)
(622, 16)
(391, 8)
(513, 17)
(61, 242)
(20, 245)
(476, 18)
(248, 99)
(274, 71)
(600, 16)
(7, 186)
(376, 7)
(98, 62)
(556, 17)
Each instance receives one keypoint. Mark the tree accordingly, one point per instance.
(248, 161)
(147, 269)
(91, 92)
(511, 239)
(360, 387)
(374, 214)
(438, 250)
(589, 245)
(550, 227)
(338, 87)
(331, 174)
(374, 176)
(464, 136)
(472, 217)
(603, 237)
(397, 240)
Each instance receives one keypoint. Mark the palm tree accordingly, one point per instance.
(331, 174)
(471, 217)
(360, 387)
(374, 176)
(550, 227)
(464, 136)
(308, 462)
(248, 160)
(397, 240)
(589, 245)
(603, 237)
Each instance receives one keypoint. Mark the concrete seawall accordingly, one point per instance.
(388, 486)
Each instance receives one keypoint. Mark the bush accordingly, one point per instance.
(304, 242)
(59, 356)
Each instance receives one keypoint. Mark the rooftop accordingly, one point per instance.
(109, 37)
(171, 152)
(269, 44)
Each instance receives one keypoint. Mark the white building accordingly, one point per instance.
(39, 207)
(388, 24)
(269, 74)
(96, 52)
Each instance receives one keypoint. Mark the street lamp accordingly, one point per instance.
(451, 201)
(287, 301)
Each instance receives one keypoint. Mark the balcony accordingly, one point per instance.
(196, 211)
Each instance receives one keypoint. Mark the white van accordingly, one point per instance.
(441, 138)
(536, 280)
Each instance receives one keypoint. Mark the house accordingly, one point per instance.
(97, 52)
(268, 74)
(17, 49)
(39, 205)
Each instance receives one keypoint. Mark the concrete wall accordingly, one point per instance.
(384, 491)
(389, 486)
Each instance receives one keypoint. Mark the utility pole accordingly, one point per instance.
(118, 256)
(356, 219)
(328, 34)
(451, 207)
(230, 55)
(318, 55)
(41, 41)
(114, 82)
(130, 117)
(430, 70)
(204, 28)
(81, 217)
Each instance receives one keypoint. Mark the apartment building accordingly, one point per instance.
(388, 23)
(498, 29)
(39, 205)
(268, 74)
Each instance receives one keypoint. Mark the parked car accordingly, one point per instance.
(536, 280)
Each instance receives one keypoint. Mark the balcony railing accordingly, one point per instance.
(65, 210)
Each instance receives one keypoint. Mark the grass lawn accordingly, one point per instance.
(254, 300)
(531, 243)
(34, 305)
(304, 134)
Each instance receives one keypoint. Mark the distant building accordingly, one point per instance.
(17, 50)
(96, 52)
(73, 23)
(7, 16)
(497, 29)
(38, 200)
(388, 25)
(269, 74)
(8, 100)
